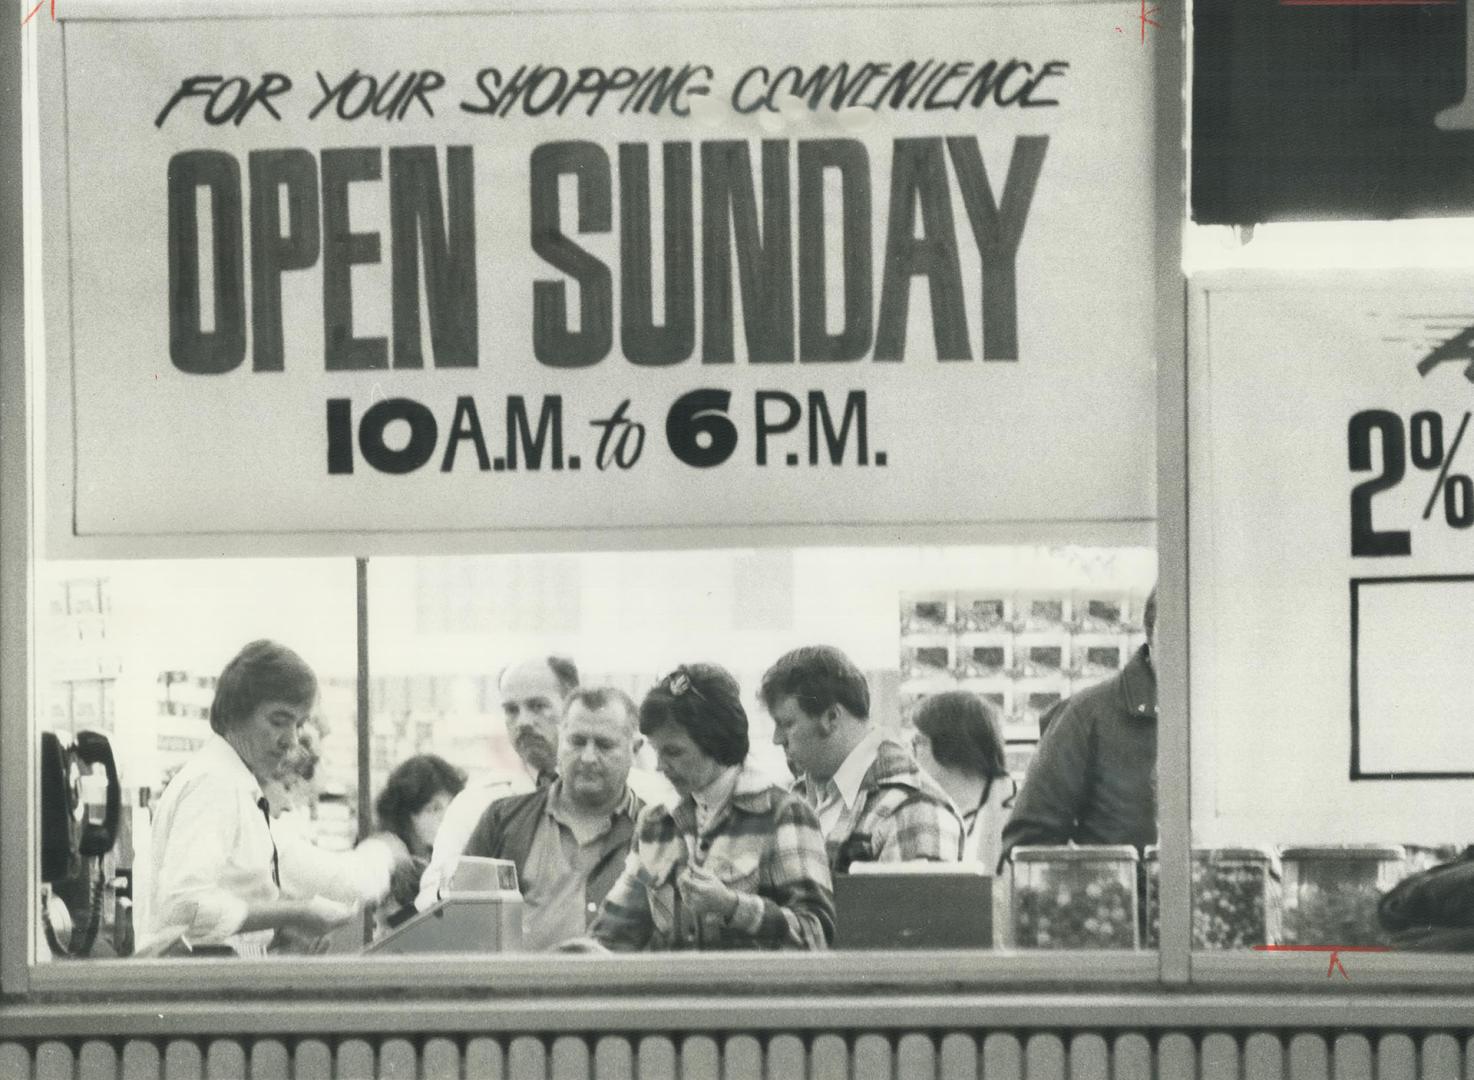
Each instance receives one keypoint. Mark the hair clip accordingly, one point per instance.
(678, 683)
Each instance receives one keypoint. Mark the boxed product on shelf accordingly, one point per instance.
(924, 613)
(1102, 612)
(1097, 656)
(1236, 898)
(926, 658)
(1331, 892)
(1075, 897)
(1041, 655)
(1041, 611)
(983, 611)
(984, 655)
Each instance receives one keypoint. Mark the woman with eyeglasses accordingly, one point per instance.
(957, 741)
(739, 861)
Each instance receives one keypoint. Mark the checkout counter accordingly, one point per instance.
(479, 911)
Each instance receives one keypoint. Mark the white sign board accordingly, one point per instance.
(511, 274)
(1332, 549)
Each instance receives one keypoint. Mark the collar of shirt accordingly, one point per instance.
(710, 799)
(851, 773)
(539, 778)
(1139, 685)
(221, 752)
(580, 824)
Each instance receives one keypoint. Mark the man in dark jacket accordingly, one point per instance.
(569, 838)
(1094, 779)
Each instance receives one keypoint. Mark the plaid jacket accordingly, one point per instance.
(900, 814)
(765, 844)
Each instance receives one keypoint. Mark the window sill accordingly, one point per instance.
(726, 974)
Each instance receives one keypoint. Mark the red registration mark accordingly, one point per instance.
(38, 8)
(1334, 950)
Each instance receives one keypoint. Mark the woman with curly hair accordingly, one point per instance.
(739, 861)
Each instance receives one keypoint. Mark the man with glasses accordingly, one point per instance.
(874, 802)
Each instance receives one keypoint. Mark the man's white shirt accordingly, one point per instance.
(214, 849)
(844, 787)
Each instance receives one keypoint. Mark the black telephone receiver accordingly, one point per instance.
(98, 837)
(73, 841)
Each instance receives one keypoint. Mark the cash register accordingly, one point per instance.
(479, 911)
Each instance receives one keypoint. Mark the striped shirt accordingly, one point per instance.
(765, 844)
(899, 814)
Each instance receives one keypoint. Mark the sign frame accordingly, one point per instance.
(57, 499)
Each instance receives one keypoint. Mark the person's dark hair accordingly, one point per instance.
(705, 702)
(565, 671)
(818, 676)
(262, 671)
(412, 784)
(597, 697)
(963, 732)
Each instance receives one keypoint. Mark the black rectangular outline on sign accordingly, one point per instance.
(1356, 773)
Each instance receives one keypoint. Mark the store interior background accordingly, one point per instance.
(132, 648)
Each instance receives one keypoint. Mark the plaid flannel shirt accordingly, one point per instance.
(765, 844)
(900, 814)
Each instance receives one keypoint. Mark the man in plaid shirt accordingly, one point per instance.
(739, 862)
(875, 804)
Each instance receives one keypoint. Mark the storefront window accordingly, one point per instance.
(1330, 626)
(842, 408)
(133, 652)
(1010, 627)
(128, 659)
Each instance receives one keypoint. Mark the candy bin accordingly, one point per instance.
(1331, 893)
(1235, 898)
(1075, 897)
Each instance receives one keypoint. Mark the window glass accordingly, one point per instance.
(1330, 627)
(337, 340)
(132, 652)
(1020, 630)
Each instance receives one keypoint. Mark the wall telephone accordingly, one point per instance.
(79, 825)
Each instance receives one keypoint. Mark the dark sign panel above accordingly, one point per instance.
(1316, 109)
